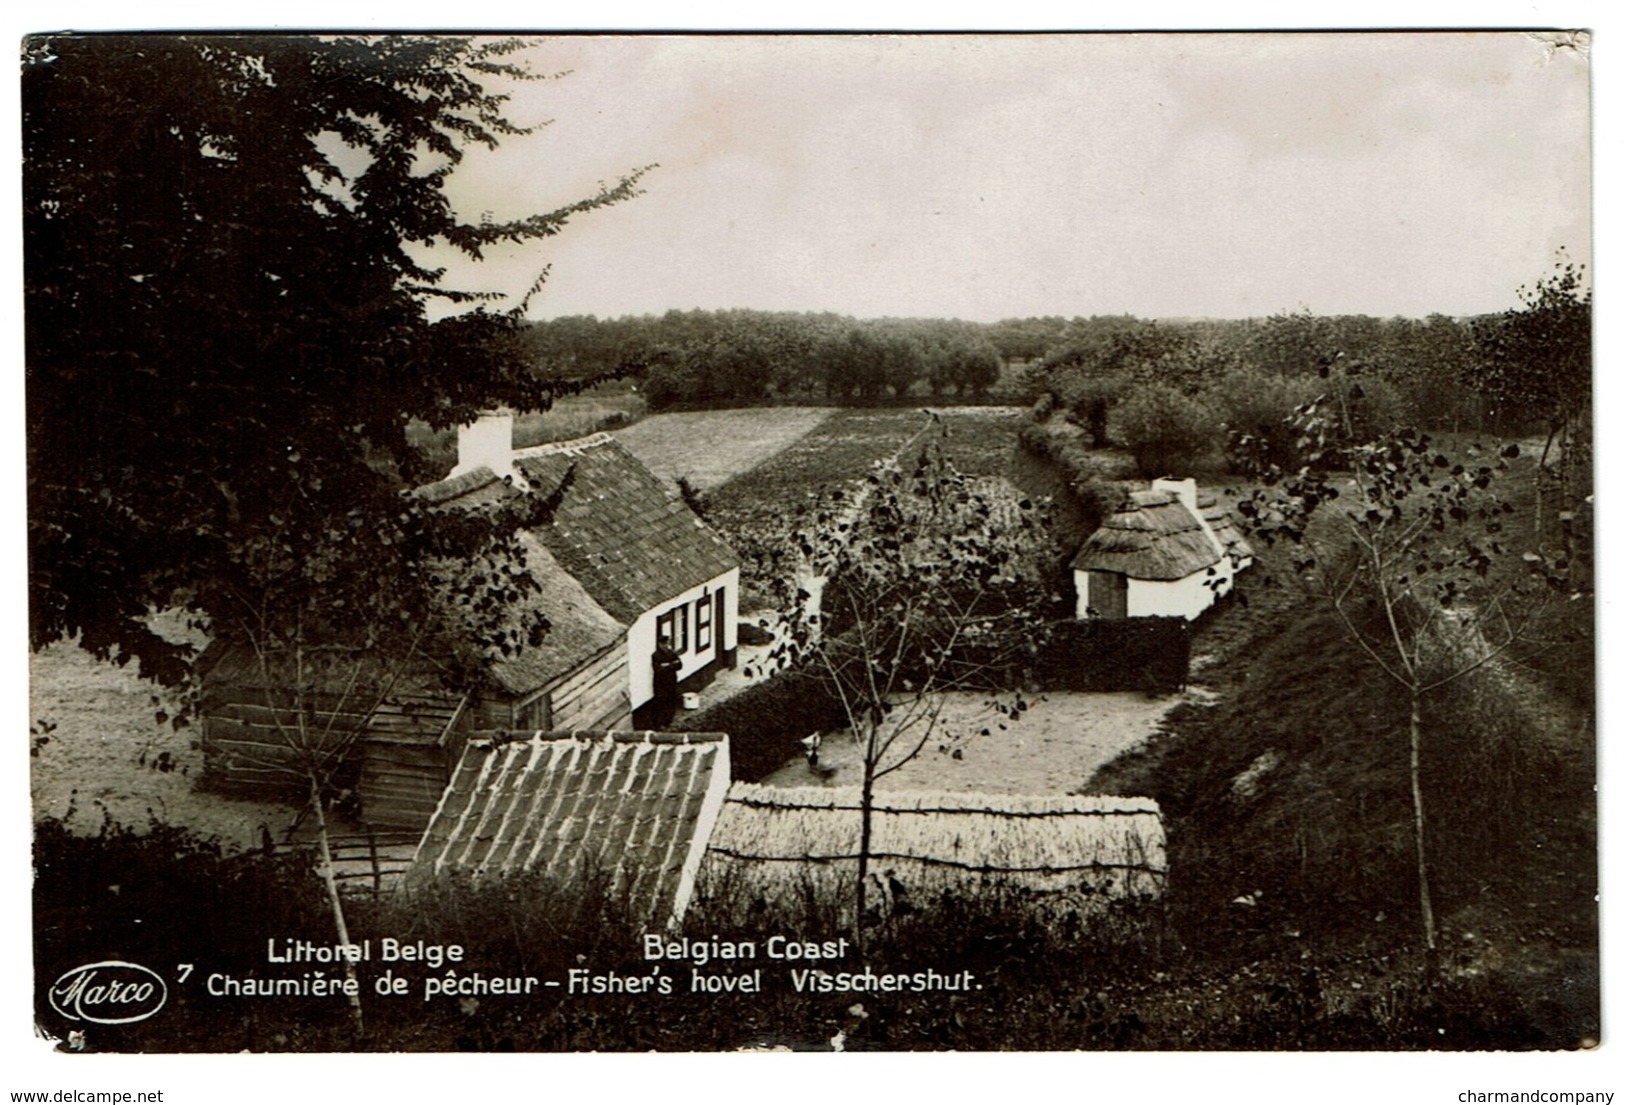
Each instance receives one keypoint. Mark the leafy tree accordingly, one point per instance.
(1258, 410)
(1101, 360)
(1290, 343)
(1168, 432)
(226, 328)
(899, 592)
(1535, 361)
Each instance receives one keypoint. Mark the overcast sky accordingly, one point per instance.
(993, 176)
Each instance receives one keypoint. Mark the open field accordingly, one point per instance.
(709, 448)
(106, 757)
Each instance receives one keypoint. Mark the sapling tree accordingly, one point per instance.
(329, 648)
(915, 583)
(1407, 545)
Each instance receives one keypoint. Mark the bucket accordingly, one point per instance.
(691, 701)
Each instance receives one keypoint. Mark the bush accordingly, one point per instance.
(1258, 407)
(1129, 654)
(766, 723)
(165, 896)
(1166, 431)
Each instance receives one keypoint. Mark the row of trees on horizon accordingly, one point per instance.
(1439, 371)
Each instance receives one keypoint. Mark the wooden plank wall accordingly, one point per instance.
(406, 760)
(595, 695)
(246, 751)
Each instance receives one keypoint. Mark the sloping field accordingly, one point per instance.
(708, 448)
(107, 757)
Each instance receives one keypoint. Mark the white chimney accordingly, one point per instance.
(1185, 489)
(486, 442)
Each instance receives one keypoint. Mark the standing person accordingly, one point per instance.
(666, 665)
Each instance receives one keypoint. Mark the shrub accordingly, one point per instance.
(164, 896)
(1257, 408)
(1166, 431)
(766, 722)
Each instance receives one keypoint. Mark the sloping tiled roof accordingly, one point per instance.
(578, 628)
(1154, 537)
(632, 543)
(774, 845)
(625, 812)
(476, 487)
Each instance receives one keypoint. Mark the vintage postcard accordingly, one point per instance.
(812, 542)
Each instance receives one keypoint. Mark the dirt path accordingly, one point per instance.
(1053, 749)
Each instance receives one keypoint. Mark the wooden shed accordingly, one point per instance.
(389, 737)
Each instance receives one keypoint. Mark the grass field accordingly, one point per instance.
(607, 407)
(709, 448)
(105, 757)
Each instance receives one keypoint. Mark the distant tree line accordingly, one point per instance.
(705, 357)
(1178, 394)
(1117, 376)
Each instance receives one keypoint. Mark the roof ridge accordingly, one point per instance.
(451, 487)
(573, 446)
(497, 738)
(942, 801)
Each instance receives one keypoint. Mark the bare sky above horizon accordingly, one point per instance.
(985, 177)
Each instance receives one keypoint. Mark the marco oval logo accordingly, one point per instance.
(110, 992)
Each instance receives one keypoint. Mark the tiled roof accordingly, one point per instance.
(476, 487)
(774, 844)
(632, 543)
(631, 809)
(579, 627)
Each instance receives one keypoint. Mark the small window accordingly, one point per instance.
(535, 715)
(673, 625)
(702, 623)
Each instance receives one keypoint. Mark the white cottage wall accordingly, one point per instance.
(641, 638)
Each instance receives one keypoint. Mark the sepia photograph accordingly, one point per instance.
(811, 542)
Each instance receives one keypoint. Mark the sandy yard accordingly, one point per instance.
(1053, 749)
(708, 448)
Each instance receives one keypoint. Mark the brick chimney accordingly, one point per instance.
(487, 442)
(1185, 489)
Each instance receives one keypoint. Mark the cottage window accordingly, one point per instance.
(673, 624)
(702, 623)
(536, 715)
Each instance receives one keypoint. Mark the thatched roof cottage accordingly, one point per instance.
(629, 544)
(622, 561)
(1167, 552)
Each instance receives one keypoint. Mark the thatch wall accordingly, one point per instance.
(790, 855)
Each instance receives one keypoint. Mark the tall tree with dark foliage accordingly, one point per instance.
(227, 331)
